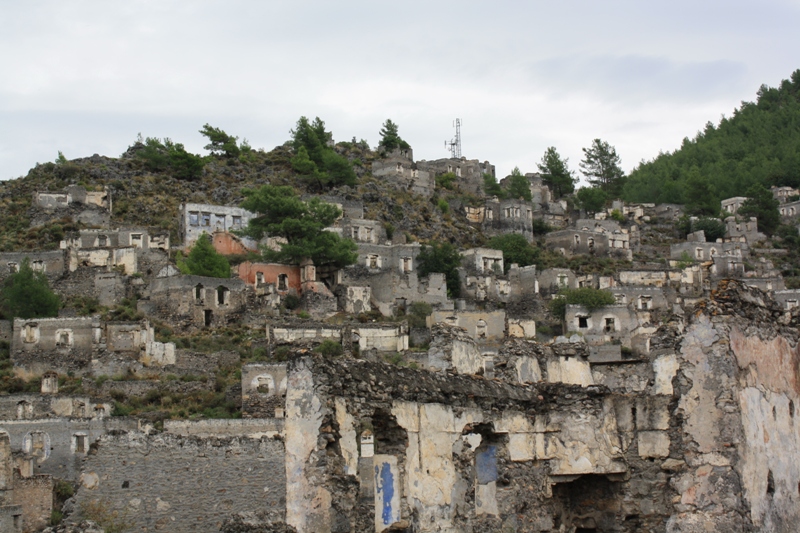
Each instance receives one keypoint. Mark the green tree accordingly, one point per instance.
(601, 166)
(757, 143)
(167, 156)
(302, 224)
(220, 143)
(516, 249)
(27, 294)
(592, 199)
(442, 257)
(699, 196)
(315, 159)
(491, 187)
(588, 297)
(761, 204)
(204, 260)
(555, 173)
(390, 139)
(518, 186)
(712, 228)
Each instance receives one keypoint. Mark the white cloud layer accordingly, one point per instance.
(86, 76)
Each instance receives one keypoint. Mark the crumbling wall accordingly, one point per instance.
(178, 484)
(35, 495)
(374, 447)
(739, 374)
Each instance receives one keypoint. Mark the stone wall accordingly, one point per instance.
(423, 451)
(54, 443)
(184, 484)
(35, 495)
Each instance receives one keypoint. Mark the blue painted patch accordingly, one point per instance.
(486, 465)
(385, 480)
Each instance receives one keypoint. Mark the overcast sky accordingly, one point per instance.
(86, 77)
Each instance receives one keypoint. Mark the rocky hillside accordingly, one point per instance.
(143, 197)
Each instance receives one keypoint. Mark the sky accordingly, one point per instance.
(86, 77)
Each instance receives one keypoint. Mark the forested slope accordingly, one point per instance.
(760, 143)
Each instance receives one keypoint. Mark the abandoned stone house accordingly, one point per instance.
(92, 208)
(641, 298)
(480, 325)
(613, 323)
(789, 211)
(362, 230)
(194, 301)
(783, 194)
(285, 279)
(52, 264)
(732, 205)
(469, 172)
(705, 251)
(399, 169)
(197, 219)
(139, 238)
(351, 208)
(390, 273)
(572, 242)
(81, 345)
(509, 216)
(551, 280)
(743, 231)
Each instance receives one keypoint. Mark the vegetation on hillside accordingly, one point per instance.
(27, 294)
(302, 226)
(758, 144)
(204, 260)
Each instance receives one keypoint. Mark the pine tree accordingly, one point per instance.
(390, 139)
(601, 166)
(555, 173)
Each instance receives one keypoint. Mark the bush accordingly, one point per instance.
(329, 348)
(588, 297)
(617, 215)
(291, 302)
(417, 313)
(712, 228)
(446, 181)
(540, 227)
(443, 206)
(516, 249)
(281, 353)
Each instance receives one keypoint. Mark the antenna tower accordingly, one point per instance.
(454, 145)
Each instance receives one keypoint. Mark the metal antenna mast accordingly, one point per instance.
(454, 145)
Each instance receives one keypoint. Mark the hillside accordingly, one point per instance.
(759, 143)
(146, 197)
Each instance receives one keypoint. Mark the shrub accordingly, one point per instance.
(329, 348)
(291, 301)
(588, 297)
(443, 206)
(417, 313)
(446, 181)
(281, 353)
(712, 228)
(617, 215)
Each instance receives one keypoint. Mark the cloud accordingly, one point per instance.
(633, 79)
